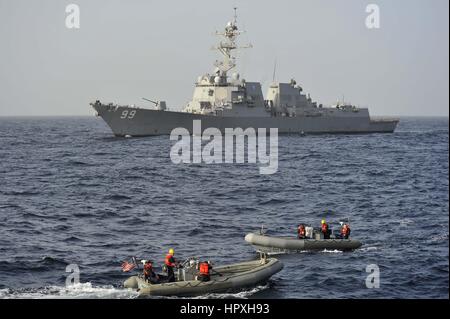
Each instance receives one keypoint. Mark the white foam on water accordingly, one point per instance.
(335, 251)
(76, 291)
(437, 238)
(368, 248)
(289, 252)
(245, 294)
(88, 291)
(4, 293)
(406, 221)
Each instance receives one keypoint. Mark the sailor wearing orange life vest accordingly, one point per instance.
(345, 231)
(170, 262)
(325, 229)
(149, 274)
(204, 271)
(301, 231)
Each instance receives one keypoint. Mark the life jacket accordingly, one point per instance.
(204, 268)
(325, 228)
(301, 230)
(345, 231)
(168, 260)
(148, 269)
(148, 266)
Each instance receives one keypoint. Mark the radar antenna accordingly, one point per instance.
(274, 70)
(226, 47)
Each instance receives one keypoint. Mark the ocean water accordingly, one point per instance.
(71, 193)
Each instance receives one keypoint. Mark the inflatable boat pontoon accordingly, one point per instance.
(223, 279)
(277, 245)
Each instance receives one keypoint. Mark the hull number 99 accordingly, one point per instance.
(128, 114)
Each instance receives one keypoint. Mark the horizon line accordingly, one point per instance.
(87, 115)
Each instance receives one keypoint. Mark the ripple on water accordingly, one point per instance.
(72, 193)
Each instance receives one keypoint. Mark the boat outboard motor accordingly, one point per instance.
(262, 231)
(181, 274)
(309, 231)
(189, 269)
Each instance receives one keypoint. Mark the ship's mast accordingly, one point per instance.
(229, 44)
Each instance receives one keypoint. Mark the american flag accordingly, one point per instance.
(126, 266)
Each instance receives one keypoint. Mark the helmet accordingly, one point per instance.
(323, 221)
(171, 251)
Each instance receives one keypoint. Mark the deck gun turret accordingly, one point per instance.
(160, 105)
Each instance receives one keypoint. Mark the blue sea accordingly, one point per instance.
(72, 193)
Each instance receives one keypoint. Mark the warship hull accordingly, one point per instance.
(131, 121)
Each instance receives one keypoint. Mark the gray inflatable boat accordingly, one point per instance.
(277, 245)
(223, 279)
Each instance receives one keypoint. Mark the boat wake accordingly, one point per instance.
(244, 294)
(335, 251)
(369, 248)
(76, 291)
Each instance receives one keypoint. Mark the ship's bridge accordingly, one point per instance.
(215, 95)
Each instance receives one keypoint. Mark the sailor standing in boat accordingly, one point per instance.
(325, 230)
(170, 263)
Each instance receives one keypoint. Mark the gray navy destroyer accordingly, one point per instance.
(225, 100)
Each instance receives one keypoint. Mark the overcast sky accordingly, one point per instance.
(126, 50)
